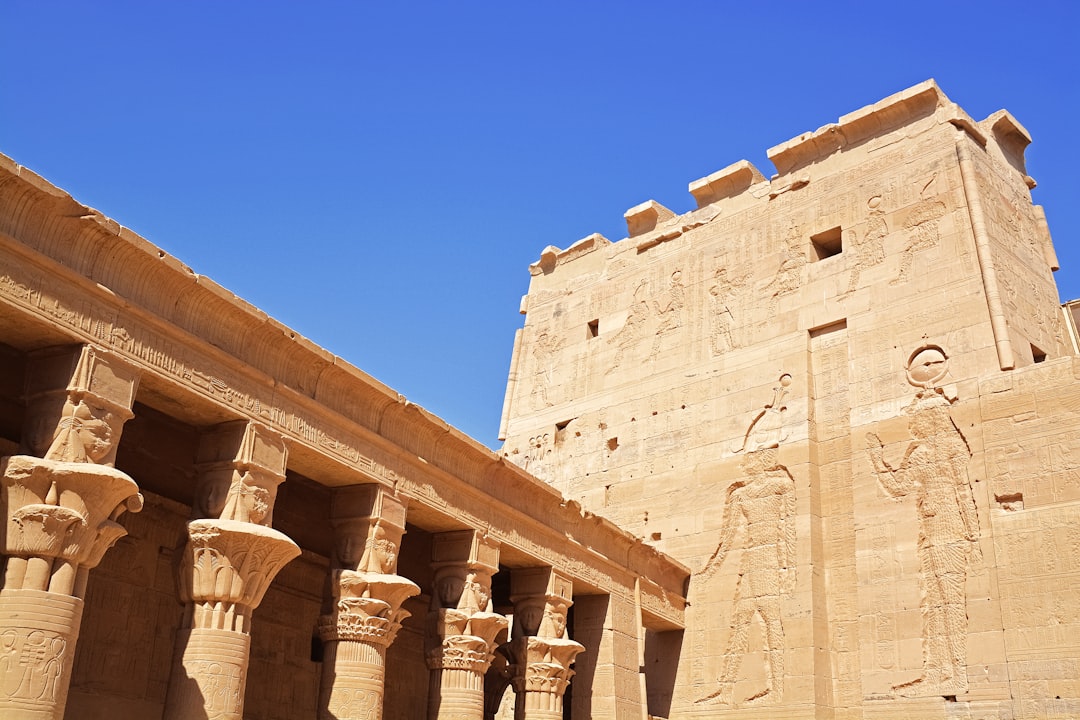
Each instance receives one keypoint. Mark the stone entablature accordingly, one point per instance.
(227, 360)
(233, 410)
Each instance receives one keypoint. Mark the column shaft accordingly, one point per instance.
(213, 664)
(462, 628)
(61, 511)
(456, 694)
(226, 568)
(363, 609)
(352, 686)
(38, 631)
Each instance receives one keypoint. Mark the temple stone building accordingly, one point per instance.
(847, 398)
(210, 517)
(807, 451)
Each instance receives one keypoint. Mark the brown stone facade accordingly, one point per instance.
(846, 397)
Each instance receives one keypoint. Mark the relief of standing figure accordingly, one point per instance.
(934, 470)
(762, 505)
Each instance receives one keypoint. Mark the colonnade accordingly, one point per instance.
(63, 499)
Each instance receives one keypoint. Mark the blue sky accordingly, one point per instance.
(379, 176)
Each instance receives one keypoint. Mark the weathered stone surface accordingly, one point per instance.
(857, 525)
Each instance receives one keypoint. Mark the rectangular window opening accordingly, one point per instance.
(826, 244)
(560, 430)
(594, 329)
(1037, 355)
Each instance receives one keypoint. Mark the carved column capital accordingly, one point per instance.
(466, 640)
(63, 500)
(229, 560)
(368, 607)
(225, 569)
(543, 664)
(61, 518)
(540, 651)
(364, 611)
(462, 629)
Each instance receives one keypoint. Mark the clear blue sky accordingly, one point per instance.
(378, 176)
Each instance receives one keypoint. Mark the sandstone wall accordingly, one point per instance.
(843, 396)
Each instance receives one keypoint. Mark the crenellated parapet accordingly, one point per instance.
(798, 163)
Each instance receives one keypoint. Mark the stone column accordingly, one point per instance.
(229, 561)
(363, 613)
(541, 651)
(61, 518)
(461, 626)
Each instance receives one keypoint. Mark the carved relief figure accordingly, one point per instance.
(762, 506)
(633, 328)
(868, 250)
(543, 352)
(32, 664)
(721, 299)
(246, 500)
(669, 311)
(788, 276)
(934, 470)
(84, 434)
(922, 229)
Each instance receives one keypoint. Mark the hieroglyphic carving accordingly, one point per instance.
(883, 579)
(668, 308)
(788, 277)
(922, 228)
(762, 505)
(935, 470)
(868, 249)
(1026, 299)
(37, 644)
(545, 359)
(722, 298)
(628, 335)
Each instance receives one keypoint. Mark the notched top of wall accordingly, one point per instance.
(1011, 139)
(903, 114)
(883, 117)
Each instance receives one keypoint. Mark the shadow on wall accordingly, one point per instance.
(662, 650)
